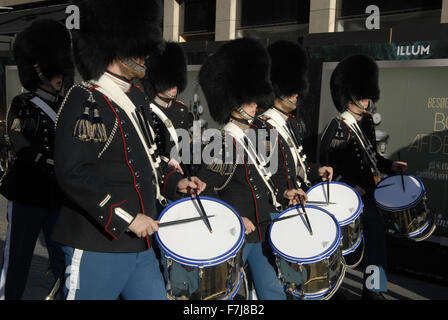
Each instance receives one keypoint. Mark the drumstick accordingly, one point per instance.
(401, 173)
(320, 202)
(172, 223)
(385, 185)
(280, 219)
(306, 216)
(328, 182)
(202, 211)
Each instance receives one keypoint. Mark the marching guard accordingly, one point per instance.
(289, 67)
(42, 54)
(106, 158)
(165, 79)
(235, 79)
(349, 146)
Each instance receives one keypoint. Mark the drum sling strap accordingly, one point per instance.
(109, 88)
(277, 121)
(242, 140)
(366, 146)
(167, 123)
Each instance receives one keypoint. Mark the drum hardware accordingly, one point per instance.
(176, 222)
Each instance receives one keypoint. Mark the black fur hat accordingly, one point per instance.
(166, 70)
(354, 77)
(45, 43)
(289, 68)
(111, 29)
(239, 72)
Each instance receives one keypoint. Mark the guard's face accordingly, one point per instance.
(364, 103)
(170, 93)
(57, 82)
(250, 108)
(293, 98)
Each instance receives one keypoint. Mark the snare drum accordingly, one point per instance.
(347, 211)
(199, 264)
(405, 212)
(309, 266)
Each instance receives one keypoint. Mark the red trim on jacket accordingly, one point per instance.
(166, 179)
(127, 162)
(283, 155)
(110, 217)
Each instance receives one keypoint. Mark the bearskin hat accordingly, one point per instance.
(289, 68)
(239, 72)
(111, 29)
(47, 44)
(166, 70)
(354, 77)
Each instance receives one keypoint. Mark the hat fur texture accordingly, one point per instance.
(167, 70)
(289, 68)
(112, 29)
(237, 73)
(45, 43)
(354, 77)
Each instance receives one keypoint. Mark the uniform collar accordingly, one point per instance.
(122, 82)
(45, 95)
(162, 104)
(283, 114)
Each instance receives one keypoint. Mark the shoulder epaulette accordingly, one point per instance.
(89, 126)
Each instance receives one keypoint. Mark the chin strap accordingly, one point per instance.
(287, 101)
(47, 81)
(359, 106)
(133, 65)
(244, 114)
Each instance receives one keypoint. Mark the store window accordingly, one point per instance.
(267, 18)
(199, 20)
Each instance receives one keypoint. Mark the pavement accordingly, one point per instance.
(402, 286)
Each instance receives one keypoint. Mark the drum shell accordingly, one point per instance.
(190, 277)
(412, 219)
(218, 282)
(411, 222)
(351, 227)
(352, 234)
(315, 280)
(316, 277)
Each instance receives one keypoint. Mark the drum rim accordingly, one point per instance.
(360, 202)
(310, 260)
(412, 204)
(202, 262)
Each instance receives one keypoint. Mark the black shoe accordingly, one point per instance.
(371, 295)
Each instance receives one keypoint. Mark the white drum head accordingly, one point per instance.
(192, 243)
(291, 239)
(348, 202)
(389, 192)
